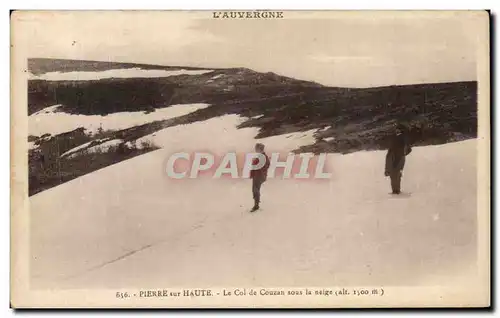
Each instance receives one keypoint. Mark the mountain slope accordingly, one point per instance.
(136, 228)
(343, 120)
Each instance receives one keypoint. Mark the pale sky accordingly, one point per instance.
(331, 48)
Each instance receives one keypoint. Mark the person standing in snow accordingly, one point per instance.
(399, 148)
(259, 176)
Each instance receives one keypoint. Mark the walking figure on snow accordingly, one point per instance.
(399, 148)
(258, 176)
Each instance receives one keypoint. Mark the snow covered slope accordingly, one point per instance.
(129, 225)
(219, 136)
(49, 121)
(116, 73)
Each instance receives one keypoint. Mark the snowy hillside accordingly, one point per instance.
(87, 115)
(116, 73)
(104, 214)
(137, 228)
(51, 121)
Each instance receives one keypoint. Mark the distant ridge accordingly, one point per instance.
(39, 66)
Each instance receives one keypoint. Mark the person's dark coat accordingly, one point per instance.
(260, 173)
(399, 148)
(259, 176)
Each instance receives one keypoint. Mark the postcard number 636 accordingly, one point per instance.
(122, 295)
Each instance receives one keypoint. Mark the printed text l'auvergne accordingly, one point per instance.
(247, 14)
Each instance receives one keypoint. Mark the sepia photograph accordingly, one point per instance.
(263, 158)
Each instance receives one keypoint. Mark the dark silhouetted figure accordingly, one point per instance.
(399, 148)
(259, 176)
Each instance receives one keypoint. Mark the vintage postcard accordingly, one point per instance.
(250, 159)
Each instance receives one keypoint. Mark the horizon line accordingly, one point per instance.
(242, 67)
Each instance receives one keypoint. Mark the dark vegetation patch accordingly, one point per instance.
(48, 169)
(110, 95)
